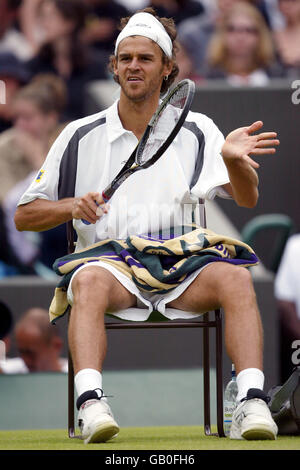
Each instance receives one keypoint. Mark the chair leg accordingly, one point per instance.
(219, 376)
(206, 378)
(71, 403)
(71, 419)
(206, 381)
(219, 373)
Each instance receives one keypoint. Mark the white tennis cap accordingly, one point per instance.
(145, 24)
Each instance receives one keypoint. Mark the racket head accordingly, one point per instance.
(163, 131)
(165, 123)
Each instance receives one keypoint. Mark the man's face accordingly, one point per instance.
(140, 68)
(28, 118)
(11, 86)
(35, 352)
(242, 36)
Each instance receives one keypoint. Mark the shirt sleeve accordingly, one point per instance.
(287, 281)
(214, 172)
(14, 365)
(45, 183)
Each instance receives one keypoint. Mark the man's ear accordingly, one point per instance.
(168, 67)
(115, 66)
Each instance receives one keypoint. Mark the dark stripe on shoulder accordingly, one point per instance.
(192, 126)
(68, 164)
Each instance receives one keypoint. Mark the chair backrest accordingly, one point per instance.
(281, 224)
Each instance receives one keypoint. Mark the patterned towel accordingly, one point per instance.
(154, 264)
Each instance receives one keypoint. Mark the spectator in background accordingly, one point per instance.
(262, 6)
(287, 294)
(241, 50)
(179, 10)
(11, 38)
(37, 110)
(39, 344)
(186, 68)
(287, 39)
(195, 33)
(62, 52)
(13, 74)
(6, 326)
(9, 263)
(101, 28)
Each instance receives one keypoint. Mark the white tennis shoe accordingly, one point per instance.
(96, 421)
(252, 419)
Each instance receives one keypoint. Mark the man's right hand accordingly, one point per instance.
(87, 207)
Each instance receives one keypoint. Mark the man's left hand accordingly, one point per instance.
(242, 142)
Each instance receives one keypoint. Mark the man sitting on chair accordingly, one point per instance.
(144, 64)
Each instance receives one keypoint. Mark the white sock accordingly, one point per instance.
(87, 379)
(249, 378)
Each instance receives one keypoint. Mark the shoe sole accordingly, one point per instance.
(103, 433)
(260, 433)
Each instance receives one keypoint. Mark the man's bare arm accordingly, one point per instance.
(42, 214)
(240, 145)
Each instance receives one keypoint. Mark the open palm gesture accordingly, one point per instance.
(242, 142)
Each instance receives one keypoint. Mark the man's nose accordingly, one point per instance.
(134, 64)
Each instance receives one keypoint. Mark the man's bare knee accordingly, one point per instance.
(230, 281)
(99, 285)
(90, 279)
(235, 286)
(241, 276)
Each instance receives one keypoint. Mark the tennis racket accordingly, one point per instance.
(163, 127)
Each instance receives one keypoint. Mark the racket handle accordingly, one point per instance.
(88, 223)
(105, 199)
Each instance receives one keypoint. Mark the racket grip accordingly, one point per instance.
(105, 199)
(85, 221)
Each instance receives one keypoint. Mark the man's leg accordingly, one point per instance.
(95, 291)
(230, 287)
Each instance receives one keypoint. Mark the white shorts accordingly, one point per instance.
(146, 302)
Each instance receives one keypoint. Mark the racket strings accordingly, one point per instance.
(163, 124)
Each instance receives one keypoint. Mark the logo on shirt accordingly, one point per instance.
(39, 176)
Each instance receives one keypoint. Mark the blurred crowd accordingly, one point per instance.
(51, 50)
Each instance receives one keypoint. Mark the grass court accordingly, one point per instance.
(141, 438)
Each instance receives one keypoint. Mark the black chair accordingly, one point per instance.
(278, 227)
(206, 321)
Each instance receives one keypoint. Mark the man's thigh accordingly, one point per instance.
(94, 282)
(207, 291)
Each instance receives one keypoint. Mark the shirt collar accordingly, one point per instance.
(114, 125)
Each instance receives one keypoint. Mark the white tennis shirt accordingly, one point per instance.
(158, 197)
